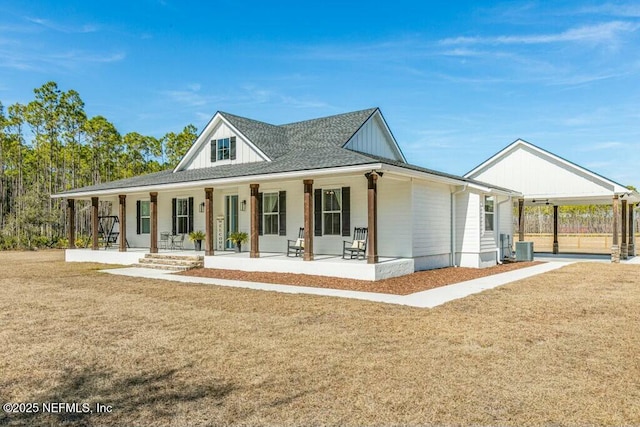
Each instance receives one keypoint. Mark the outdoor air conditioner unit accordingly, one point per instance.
(524, 251)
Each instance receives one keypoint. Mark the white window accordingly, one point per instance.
(223, 149)
(145, 217)
(332, 211)
(182, 216)
(271, 213)
(488, 213)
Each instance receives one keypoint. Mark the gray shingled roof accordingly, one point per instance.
(276, 141)
(308, 145)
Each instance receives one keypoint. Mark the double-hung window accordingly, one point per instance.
(271, 213)
(332, 211)
(182, 216)
(488, 213)
(145, 217)
(223, 149)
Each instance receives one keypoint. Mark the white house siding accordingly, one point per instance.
(244, 152)
(505, 221)
(532, 173)
(358, 206)
(371, 138)
(395, 217)
(468, 229)
(431, 224)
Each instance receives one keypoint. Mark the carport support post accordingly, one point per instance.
(94, 223)
(615, 249)
(624, 250)
(208, 221)
(308, 220)
(372, 217)
(123, 222)
(255, 217)
(153, 229)
(71, 215)
(555, 229)
(631, 245)
(521, 220)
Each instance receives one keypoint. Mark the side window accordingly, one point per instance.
(488, 213)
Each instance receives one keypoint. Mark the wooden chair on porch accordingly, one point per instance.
(358, 246)
(296, 246)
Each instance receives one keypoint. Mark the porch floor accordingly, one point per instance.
(323, 265)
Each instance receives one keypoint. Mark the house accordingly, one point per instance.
(327, 175)
(546, 178)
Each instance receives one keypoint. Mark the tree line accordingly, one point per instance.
(49, 145)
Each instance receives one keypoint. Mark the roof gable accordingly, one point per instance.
(220, 126)
(375, 138)
(538, 173)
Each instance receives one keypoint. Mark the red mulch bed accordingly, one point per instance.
(416, 282)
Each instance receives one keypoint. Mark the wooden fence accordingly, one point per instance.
(594, 243)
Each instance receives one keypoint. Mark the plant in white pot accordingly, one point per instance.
(197, 237)
(238, 238)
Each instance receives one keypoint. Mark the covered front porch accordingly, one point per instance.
(324, 265)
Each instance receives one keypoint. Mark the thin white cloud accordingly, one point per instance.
(624, 10)
(599, 33)
(85, 28)
(601, 146)
(25, 59)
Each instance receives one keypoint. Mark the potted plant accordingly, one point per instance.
(196, 237)
(238, 238)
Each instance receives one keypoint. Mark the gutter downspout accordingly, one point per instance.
(453, 223)
(508, 199)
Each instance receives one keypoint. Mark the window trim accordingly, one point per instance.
(491, 213)
(275, 194)
(143, 217)
(220, 150)
(184, 215)
(325, 191)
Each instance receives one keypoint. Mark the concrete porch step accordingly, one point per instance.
(171, 262)
(174, 256)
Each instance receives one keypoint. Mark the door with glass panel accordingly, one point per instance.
(231, 218)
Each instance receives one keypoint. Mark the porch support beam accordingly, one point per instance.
(94, 223)
(521, 220)
(372, 217)
(555, 229)
(208, 221)
(71, 215)
(308, 220)
(123, 222)
(153, 205)
(631, 245)
(624, 249)
(615, 249)
(255, 217)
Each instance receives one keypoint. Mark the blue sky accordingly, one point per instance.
(456, 81)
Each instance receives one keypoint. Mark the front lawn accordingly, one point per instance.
(561, 348)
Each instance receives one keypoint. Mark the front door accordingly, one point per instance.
(231, 218)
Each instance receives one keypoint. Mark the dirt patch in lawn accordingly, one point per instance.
(405, 285)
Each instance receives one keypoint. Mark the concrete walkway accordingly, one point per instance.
(425, 299)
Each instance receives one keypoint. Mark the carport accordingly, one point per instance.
(545, 178)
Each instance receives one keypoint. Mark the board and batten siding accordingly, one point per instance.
(532, 173)
(371, 139)
(244, 152)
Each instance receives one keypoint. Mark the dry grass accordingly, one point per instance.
(556, 349)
